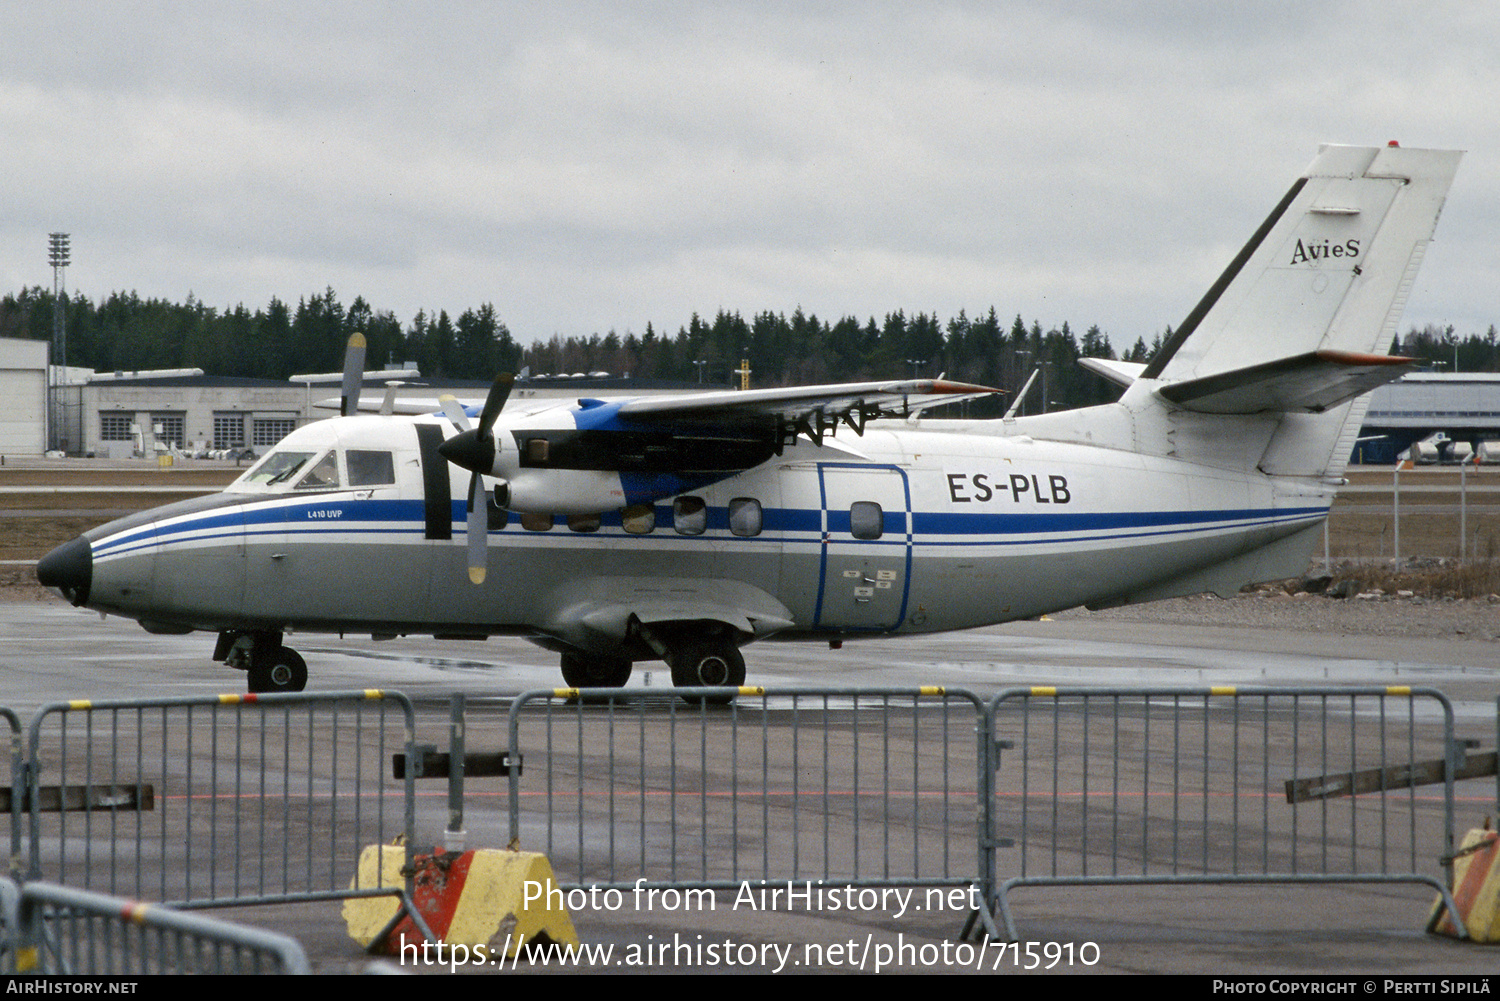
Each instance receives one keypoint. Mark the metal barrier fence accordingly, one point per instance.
(853, 786)
(1101, 786)
(243, 799)
(15, 793)
(210, 801)
(60, 930)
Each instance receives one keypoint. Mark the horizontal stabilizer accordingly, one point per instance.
(1305, 383)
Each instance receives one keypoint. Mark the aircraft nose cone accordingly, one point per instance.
(70, 569)
(467, 450)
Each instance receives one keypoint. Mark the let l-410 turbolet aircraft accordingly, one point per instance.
(685, 527)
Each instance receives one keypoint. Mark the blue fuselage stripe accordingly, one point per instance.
(384, 518)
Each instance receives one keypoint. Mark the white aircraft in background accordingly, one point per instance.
(685, 527)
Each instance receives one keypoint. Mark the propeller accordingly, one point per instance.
(354, 375)
(474, 450)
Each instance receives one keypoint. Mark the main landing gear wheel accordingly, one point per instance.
(709, 665)
(585, 671)
(283, 671)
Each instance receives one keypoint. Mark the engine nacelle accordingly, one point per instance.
(561, 491)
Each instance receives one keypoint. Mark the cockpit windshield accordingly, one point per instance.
(277, 468)
(284, 469)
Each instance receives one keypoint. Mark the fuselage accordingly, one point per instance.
(901, 529)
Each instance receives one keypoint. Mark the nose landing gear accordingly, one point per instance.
(268, 666)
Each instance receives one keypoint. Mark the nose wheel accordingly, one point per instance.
(284, 671)
(268, 666)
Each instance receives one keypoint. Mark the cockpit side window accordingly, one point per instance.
(369, 468)
(323, 476)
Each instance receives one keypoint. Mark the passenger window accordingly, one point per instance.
(370, 469)
(536, 522)
(744, 516)
(866, 520)
(583, 522)
(689, 515)
(322, 476)
(639, 519)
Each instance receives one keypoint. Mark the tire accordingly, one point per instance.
(709, 665)
(286, 671)
(585, 671)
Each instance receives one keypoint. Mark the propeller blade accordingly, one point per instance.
(495, 402)
(479, 528)
(354, 375)
(454, 411)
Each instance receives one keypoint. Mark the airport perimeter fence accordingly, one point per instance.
(59, 930)
(218, 800)
(853, 787)
(1111, 786)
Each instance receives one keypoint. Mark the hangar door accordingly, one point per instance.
(23, 391)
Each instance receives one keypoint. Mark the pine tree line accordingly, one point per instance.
(125, 332)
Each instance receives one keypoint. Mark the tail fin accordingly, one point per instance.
(1301, 322)
(1329, 270)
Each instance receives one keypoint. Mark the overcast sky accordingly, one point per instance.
(588, 167)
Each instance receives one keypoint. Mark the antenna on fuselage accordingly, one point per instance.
(1021, 396)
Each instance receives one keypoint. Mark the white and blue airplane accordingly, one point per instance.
(685, 527)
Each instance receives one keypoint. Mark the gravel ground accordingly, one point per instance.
(1443, 618)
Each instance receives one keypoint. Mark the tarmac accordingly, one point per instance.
(49, 651)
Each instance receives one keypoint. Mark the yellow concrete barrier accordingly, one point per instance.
(496, 899)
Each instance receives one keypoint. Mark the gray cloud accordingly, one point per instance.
(596, 166)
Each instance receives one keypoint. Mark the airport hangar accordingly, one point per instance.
(131, 414)
(1465, 406)
(123, 414)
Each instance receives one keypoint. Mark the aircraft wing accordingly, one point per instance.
(810, 409)
(601, 455)
(415, 406)
(1306, 383)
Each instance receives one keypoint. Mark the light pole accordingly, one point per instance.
(57, 256)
